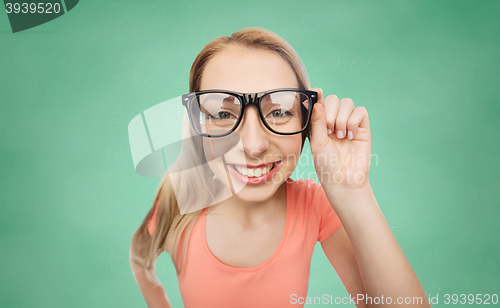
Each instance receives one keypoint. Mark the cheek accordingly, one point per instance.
(291, 149)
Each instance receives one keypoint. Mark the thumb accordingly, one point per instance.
(318, 137)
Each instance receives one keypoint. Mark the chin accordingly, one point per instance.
(257, 193)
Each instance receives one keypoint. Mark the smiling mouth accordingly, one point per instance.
(254, 172)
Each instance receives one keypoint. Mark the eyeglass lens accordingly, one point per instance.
(220, 112)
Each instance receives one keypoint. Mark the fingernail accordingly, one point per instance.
(340, 134)
(329, 131)
(349, 135)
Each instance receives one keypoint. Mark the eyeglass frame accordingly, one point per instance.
(250, 99)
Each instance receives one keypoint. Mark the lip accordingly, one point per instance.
(254, 166)
(254, 180)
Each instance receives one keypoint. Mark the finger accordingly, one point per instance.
(355, 120)
(332, 105)
(345, 110)
(319, 137)
(320, 95)
(366, 121)
(320, 99)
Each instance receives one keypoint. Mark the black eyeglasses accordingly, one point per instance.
(217, 113)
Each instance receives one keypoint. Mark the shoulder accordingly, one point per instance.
(154, 218)
(301, 184)
(306, 194)
(309, 196)
(312, 204)
(307, 188)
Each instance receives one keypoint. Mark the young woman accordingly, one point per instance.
(254, 248)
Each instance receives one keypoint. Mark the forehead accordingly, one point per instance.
(247, 70)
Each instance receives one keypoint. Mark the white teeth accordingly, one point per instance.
(254, 172)
(257, 172)
(244, 171)
(250, 172)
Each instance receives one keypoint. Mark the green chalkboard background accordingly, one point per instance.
(70, 200)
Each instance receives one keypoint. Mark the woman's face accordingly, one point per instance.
(246, 70)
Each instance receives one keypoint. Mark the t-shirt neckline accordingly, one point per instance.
(260, 266)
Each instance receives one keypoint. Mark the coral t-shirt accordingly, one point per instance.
(280, 280)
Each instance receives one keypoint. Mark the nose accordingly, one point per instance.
(253, 133)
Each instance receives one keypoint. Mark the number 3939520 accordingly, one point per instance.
(484, 299)
(32, 8)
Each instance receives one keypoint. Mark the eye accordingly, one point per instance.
(277, 113)
(280, 113)
(221, 115)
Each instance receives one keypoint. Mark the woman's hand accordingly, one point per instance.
(342, 165)
(340, 142)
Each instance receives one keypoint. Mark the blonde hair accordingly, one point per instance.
(173, 228)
